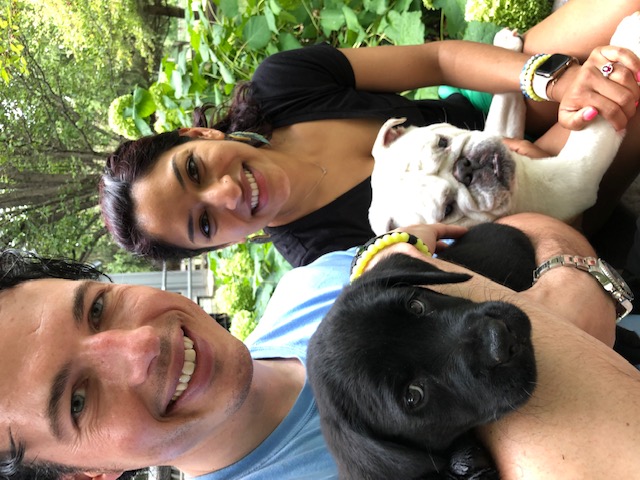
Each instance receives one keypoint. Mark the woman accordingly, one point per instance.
(181, 193)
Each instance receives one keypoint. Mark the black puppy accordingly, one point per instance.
(401, 374)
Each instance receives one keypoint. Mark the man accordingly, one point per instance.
(91, 371)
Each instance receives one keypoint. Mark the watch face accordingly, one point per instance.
(615, 277)
(552, 64)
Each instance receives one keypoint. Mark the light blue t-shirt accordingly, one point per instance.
(296, 449)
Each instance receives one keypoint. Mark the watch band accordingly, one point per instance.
(601, 271)
(541, 81)
(581, 263)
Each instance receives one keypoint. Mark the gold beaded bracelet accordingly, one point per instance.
(367, 251)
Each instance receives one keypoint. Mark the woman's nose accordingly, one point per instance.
(224, 193)
(123, 357)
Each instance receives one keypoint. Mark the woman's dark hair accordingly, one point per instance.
(135, 159)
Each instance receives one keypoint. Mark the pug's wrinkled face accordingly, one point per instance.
(439, 173)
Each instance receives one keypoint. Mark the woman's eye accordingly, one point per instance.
(191, 168)
(443, 142)
(95, 313)
(205, 227)
(416, 306)
(414, 395)
(77, 402)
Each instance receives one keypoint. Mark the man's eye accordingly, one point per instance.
(191, 168)
(95, 312)
(77, 402)
(205, 227)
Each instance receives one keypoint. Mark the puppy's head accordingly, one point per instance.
(439, 173)
(400, 371)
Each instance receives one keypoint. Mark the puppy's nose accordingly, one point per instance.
(463, 171)
(496, 341)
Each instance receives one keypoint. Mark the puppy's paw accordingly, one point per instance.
(509, 39)
(627, 34)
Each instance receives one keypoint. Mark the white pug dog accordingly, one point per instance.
(442, 173)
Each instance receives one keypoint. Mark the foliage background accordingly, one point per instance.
(78, 77)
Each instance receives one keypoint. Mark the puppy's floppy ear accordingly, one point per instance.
(361, 455)
(404, 269)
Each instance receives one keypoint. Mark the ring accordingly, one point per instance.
(606, 69)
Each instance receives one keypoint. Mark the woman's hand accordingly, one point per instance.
(591, 93)
(525, 147)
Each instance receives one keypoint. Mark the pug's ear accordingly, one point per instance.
(202, 132)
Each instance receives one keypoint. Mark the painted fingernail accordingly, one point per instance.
(637, 103)
(589, 114)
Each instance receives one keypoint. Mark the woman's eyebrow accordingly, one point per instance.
(176, 172)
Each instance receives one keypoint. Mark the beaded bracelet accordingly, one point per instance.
(527, 73)
(367, 251)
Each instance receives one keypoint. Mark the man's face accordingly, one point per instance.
(89, 372)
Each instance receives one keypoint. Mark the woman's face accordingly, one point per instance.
(205, 193)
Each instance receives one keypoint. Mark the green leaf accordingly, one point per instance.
(288, 42)
(142, 126)
(256, 32)
(352, 19)
(405, 28)
(379, 7)
(481, 32)
(143, 102)
(227, 76)
(229, 8)
(331, 20)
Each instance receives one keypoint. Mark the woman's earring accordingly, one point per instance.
(247, 137)
(259, 238)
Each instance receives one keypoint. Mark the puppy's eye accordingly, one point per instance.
(414, 395)
(448, 209)
(443, 142)
(416, 306)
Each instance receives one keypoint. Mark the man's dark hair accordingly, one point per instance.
(17, 267)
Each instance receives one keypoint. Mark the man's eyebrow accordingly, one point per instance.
(56, 392)
(78, 301)
(176, 172)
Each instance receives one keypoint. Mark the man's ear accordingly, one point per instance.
(202, 132)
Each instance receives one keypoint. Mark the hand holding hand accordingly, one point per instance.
(612, 92)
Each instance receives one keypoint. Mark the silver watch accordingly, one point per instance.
(604, 273)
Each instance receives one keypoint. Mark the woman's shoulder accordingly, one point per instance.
(313, 63)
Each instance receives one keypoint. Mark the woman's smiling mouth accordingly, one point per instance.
(255, 192)
(187, 368)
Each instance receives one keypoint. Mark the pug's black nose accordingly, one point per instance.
(463, 171)
(497, 343)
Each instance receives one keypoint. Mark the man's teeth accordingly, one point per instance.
(187, 369)
(255, 193)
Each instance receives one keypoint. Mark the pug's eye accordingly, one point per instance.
(448, 209)
(414, 395)
(443, 142)
(416, 306)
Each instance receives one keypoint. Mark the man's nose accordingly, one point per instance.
(123, 357)
(224, 193)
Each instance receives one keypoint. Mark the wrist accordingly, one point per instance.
(373, 247)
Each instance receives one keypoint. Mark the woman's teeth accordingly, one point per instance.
(255, 193)
(187, 369)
